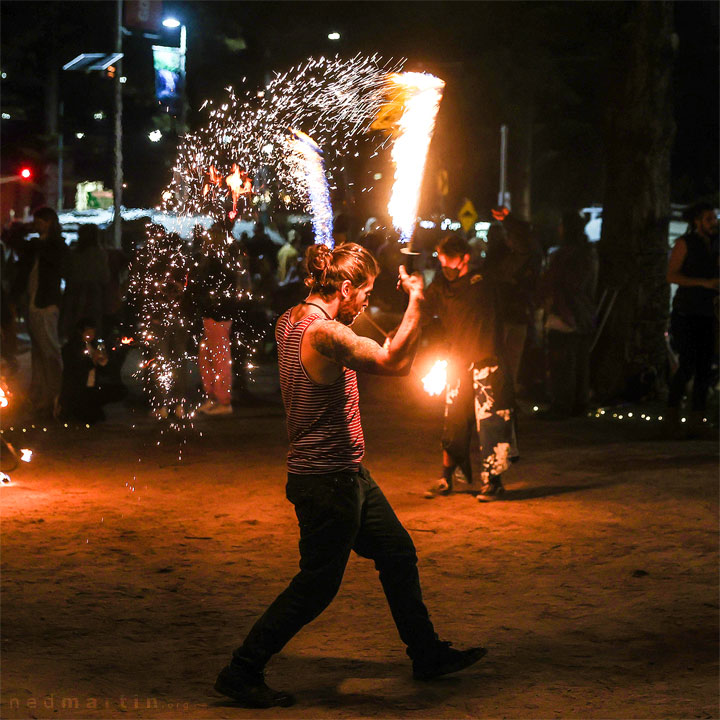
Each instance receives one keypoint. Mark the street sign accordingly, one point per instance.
(467, 215)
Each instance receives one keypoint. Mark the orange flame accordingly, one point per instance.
(239, 184)
(3, 398)
(215, 177)
(421, 94)
(434, 382)
(127, 340)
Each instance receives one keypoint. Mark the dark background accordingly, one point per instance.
(503, 62)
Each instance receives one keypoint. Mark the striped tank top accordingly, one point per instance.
(323, 421)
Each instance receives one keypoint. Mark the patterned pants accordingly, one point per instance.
(479, 399)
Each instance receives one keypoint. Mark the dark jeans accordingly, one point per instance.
(693, 338)
(569, 360)
(337, 513)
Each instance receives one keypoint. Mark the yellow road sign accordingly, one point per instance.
(467, 215)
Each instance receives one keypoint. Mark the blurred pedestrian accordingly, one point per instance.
(215, 286)
(84, 390)
(118, 265)
(13, 238)
(568, 291)
(515, 269)
(693, 267)
(479, 392)
(288, 256)
(43, 262)
(87, 278)
(168, 341)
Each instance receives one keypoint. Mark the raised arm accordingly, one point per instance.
(341, 345)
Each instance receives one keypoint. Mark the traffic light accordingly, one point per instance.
(26, 173)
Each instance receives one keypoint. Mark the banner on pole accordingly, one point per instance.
(169, 77)
(143, 14)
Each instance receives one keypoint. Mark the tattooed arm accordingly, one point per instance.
(342, 346)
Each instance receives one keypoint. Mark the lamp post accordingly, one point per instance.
(117, 194)
(171, 22)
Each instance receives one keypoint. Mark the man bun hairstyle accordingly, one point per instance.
(327, 269)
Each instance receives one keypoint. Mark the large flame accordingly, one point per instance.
(434, 382)
(421, 94)
(309, 165)
(239, 184)
(3, 398)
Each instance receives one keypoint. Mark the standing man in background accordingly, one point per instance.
(479, 395)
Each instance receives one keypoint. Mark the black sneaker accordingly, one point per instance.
(445, 660)
(492, 490)
(247, 686)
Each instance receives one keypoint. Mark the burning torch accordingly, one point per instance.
(415, 100)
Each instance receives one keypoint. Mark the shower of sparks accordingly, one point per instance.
(420, 95)
(166, 280)
(311, 173)
(434, 382)
(332, 100)
(242, 162)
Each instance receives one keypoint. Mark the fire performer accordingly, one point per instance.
(479, 390)
(338, 504)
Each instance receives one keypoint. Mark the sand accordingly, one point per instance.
(128, 575)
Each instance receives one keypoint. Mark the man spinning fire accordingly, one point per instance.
(479, 392)
(339, 506)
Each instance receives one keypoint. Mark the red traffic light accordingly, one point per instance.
(26, 173)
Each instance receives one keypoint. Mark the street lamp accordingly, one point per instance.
(334, 36)
(171, 22)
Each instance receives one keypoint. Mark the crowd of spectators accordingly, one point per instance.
(75, 306)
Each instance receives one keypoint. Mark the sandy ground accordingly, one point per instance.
(128, 575)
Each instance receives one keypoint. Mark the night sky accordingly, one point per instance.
(493, 57)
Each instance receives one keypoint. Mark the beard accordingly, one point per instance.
(348, 311)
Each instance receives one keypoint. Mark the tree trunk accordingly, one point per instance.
(630, 358)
